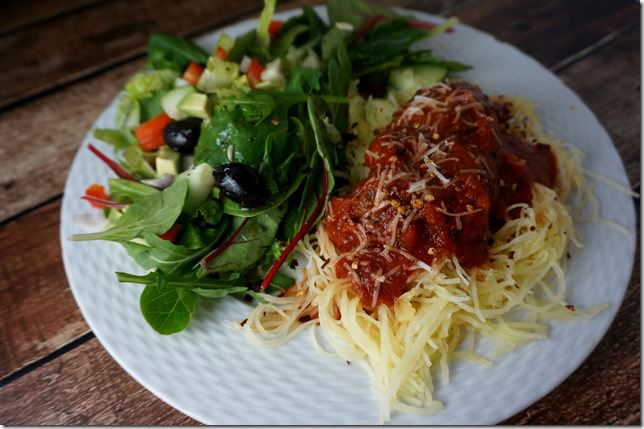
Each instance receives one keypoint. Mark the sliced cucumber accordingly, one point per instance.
(170, 101)
(200, 184)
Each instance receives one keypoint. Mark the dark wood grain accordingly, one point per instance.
(15, 15)
(609, 82)
(41, 137)
(84, 386)
(551, 30)
(37, 311)
(94, 38)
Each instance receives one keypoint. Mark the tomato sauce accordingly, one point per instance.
(441, 177)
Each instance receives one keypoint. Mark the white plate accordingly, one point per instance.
(211, 373)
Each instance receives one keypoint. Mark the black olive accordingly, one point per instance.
(182, 135)
(242, 184)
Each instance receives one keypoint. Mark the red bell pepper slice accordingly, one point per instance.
(193, 73)
(150, 133)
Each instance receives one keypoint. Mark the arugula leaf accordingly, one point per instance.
(242, 45)
(331, 41)
(123, 190)
(317, 27)
(279, 47)
(167, 51)
(154, 214)
(303, 80)
(119, 139)
(426, 57)
(249, 246)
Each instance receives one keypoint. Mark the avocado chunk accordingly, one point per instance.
(197, 105)
(167, 161)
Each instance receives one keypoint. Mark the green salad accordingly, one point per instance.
(227, 158)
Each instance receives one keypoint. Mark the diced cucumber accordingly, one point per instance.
(197, 105)
(200, 184)
(218, 74)
(170, 101)
(405, 81)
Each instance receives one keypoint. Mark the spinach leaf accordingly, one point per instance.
(232, 208)
(168, 302)
(167, 51)
(211, 210)
(136, 162)
(118, 138)
(249, 246)
(226, 128)
(167, 310)
(154, 214)
(127, 191)
(219, 293)
(164, 255)
(186, 280)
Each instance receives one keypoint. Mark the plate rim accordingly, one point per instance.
(611, 310)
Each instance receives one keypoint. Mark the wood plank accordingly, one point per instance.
(36, 159)
(92, 39)
(17, 14)
(551, 30)
(609, 82)
(37, 311)
(84, 386)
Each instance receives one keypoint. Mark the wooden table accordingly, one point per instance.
(63, 61)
